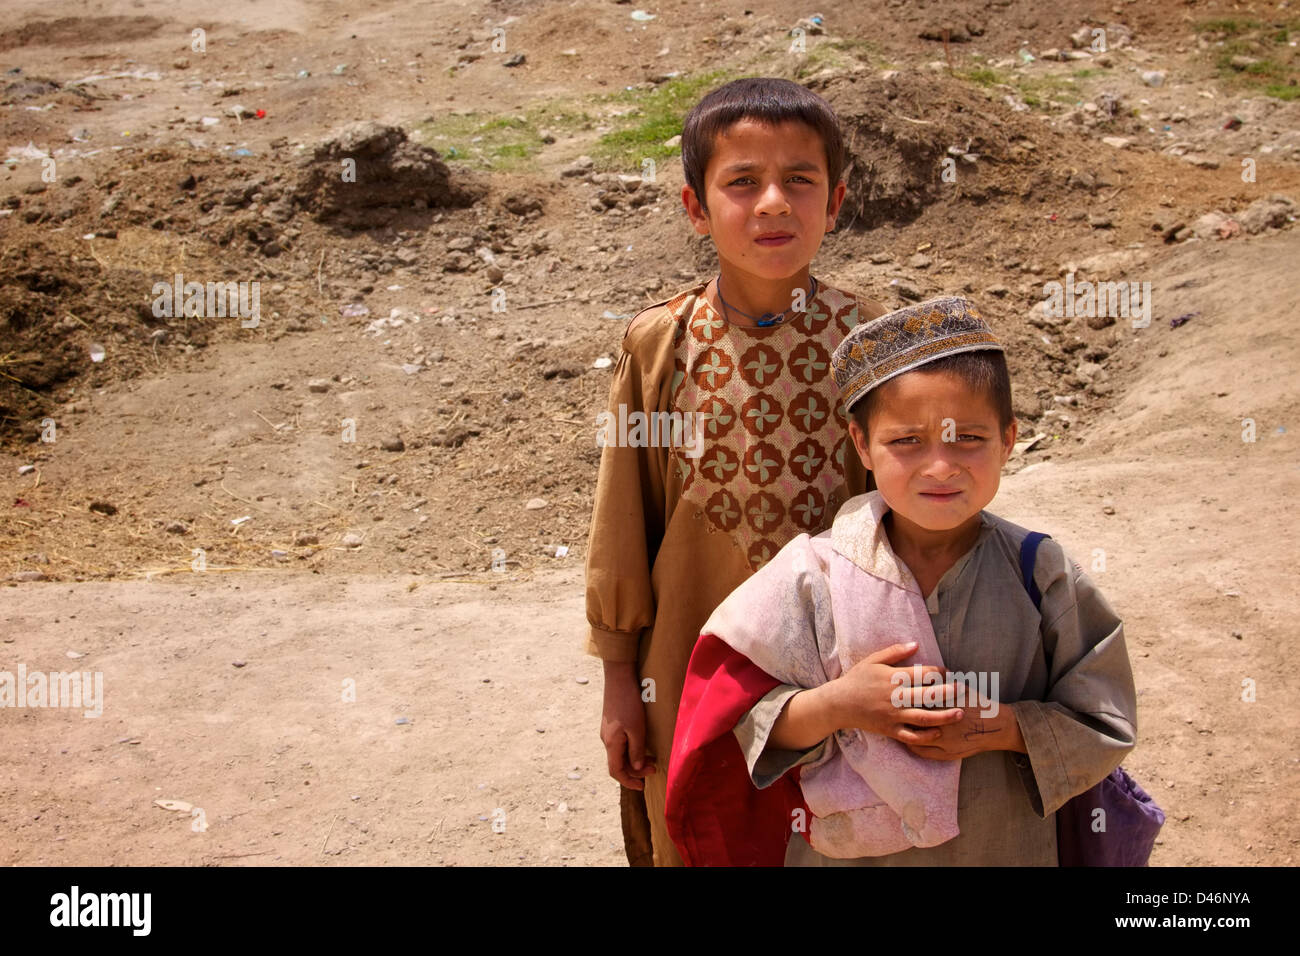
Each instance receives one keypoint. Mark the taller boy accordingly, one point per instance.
(675, 529)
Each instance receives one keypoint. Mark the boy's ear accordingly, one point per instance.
(1009, 439)
(859, 439)
(699, 218)
(836, 201)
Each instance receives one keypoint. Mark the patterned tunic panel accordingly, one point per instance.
(774, 432)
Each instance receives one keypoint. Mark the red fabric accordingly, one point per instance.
(715, 814)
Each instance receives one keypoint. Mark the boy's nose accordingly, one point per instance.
(772, 200)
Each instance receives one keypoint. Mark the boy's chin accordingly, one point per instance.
(937, 518)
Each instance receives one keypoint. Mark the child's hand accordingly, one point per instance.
(973, 734)
(864, 698)
(622, 727)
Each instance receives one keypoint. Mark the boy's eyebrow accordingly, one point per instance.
(899, 427)
(804, 166)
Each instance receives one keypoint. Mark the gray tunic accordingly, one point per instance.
(1067, 671)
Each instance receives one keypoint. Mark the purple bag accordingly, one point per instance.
(1130, 821)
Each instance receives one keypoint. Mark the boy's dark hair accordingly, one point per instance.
(764, 99)
(984, 371)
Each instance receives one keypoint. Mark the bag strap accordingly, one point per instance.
(1028, 552)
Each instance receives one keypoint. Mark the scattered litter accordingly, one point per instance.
(402, 720)
(582, 680)
(411, 368)
(239, 663)
(1232, 123)
(640, 16)
(353, 310)
(30, 151)
(211, 120)
(75, 655)
(26, 469)
(1028, 443)
(561, 550)
(243, 152)
(178, 806)
(260, 114)
(238, 521)
(574, 776)
(1182, 319)
(132, 75)
(340, 69)
(616, 315)
(603, 362)
(97, 353)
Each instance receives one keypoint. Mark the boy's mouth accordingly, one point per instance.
(940, 495)
(774, 238)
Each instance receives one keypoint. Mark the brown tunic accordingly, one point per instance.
(673, 532)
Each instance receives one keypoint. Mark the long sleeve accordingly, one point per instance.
(768, 764)
(1087, 721)
(627, 522)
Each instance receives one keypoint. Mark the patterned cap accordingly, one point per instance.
(900, 341)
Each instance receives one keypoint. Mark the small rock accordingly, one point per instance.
(402, 720)
(1201, 160)
(103, 507)
(26, 469)
(906, 290)
(880, 258)
(74, 655)
(536, 504)
(920, 261)
(1107, 506)
(582, 680)
(177, 527)
(517, 60)
(27, 576)
(1153, 77)
(393, 444)
(239, 663)
(318, 385)
(1118, 142)
(352, 540)
(1270, 213)
(305, 538)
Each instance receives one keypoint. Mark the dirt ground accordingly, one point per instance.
(348, 681)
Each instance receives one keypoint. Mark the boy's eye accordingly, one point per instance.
(911, 438)
(748, 180)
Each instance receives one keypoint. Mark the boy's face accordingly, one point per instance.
(769, 199)
(938, 485)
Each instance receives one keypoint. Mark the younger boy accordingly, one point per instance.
(795, 671)
(746, 355)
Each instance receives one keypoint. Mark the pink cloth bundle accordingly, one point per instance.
(819, 607)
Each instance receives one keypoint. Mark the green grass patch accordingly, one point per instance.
(1037, 91)
(984, 76)
(648, 117)
(485, 141)
(833, 54)
(1274, 71)
(1228, 26)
